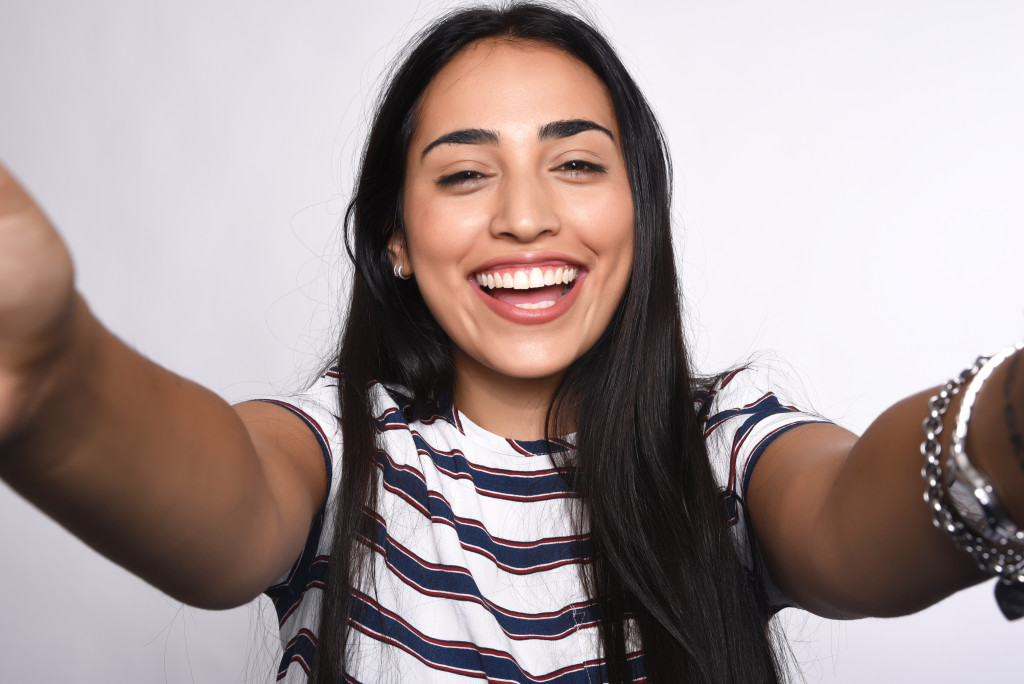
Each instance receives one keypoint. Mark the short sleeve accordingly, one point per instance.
(297, 594)
(741, 416)
(318, 408)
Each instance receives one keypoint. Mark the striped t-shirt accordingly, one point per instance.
(477, 566)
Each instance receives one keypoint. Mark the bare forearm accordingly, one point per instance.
(842, 520)
(145, 466)
(881, 538)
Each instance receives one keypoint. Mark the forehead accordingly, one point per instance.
(502, 84)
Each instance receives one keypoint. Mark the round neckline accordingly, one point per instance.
(507, 447)
(528, 448)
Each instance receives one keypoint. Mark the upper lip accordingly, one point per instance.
(527, 259)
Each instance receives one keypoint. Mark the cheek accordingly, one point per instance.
(439, 233)
(439, 237)
(608, 228)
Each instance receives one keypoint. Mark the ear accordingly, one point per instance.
(398, 254)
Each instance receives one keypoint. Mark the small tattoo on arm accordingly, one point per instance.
(1009, 412)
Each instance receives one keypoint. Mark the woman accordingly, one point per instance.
(505, 377)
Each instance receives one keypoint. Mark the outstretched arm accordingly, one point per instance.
(206, 502)
(842, 521)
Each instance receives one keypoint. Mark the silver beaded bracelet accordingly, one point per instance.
(998, 528)
(978, 525)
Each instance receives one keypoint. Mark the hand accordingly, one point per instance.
(37, 303)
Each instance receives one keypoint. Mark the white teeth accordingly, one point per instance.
(536, 305)
(536, 278)
(527, 279)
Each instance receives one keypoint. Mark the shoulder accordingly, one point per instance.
(317, 408)
(742, 412)
(747, 390)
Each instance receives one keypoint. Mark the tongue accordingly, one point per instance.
(551, 293)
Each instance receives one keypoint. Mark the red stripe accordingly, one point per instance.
(461, 645)
(755, 403)
(728, 378)
(520, 449)
(388, 412)
(499, 541)
(482, 468)
(483, 602)
(479, 551)
(480, 490)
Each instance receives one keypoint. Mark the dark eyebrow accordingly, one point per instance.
(467, 136)
(570, 127)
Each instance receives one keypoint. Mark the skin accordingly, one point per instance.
(839, 518)
(518, 195)
(208, 503)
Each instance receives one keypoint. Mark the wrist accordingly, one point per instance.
(994, 438)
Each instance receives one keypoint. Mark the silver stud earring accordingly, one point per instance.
(398, 273)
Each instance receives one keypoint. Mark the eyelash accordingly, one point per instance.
(459, 178)
(582, 167)
(575, 167)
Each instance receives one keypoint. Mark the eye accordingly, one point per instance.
(578, 167)
(459, 178)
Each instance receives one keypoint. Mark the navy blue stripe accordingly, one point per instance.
(302, 650)
(495, 482)
(408, 483)
(466, 658)
(707, 400)
(544, 484)
(755, 455)
(731, 503)
(308, 570)
(390, 419)
(318, 432)
(766, 406)
(396, 418)
(456, 583)
(539, 447)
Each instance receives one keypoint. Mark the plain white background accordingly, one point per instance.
(848, 180)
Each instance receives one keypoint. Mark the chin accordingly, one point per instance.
(527, 372)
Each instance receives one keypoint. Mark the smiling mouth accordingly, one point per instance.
(528, 288)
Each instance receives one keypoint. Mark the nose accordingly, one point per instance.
(526, 209)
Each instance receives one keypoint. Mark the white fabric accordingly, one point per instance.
(477, 573)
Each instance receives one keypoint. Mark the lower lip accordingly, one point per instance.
(530, 316)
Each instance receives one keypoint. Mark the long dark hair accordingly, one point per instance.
(662, 550)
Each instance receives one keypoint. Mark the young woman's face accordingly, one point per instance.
(518, 210)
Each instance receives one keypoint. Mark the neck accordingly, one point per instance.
(506, 406)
